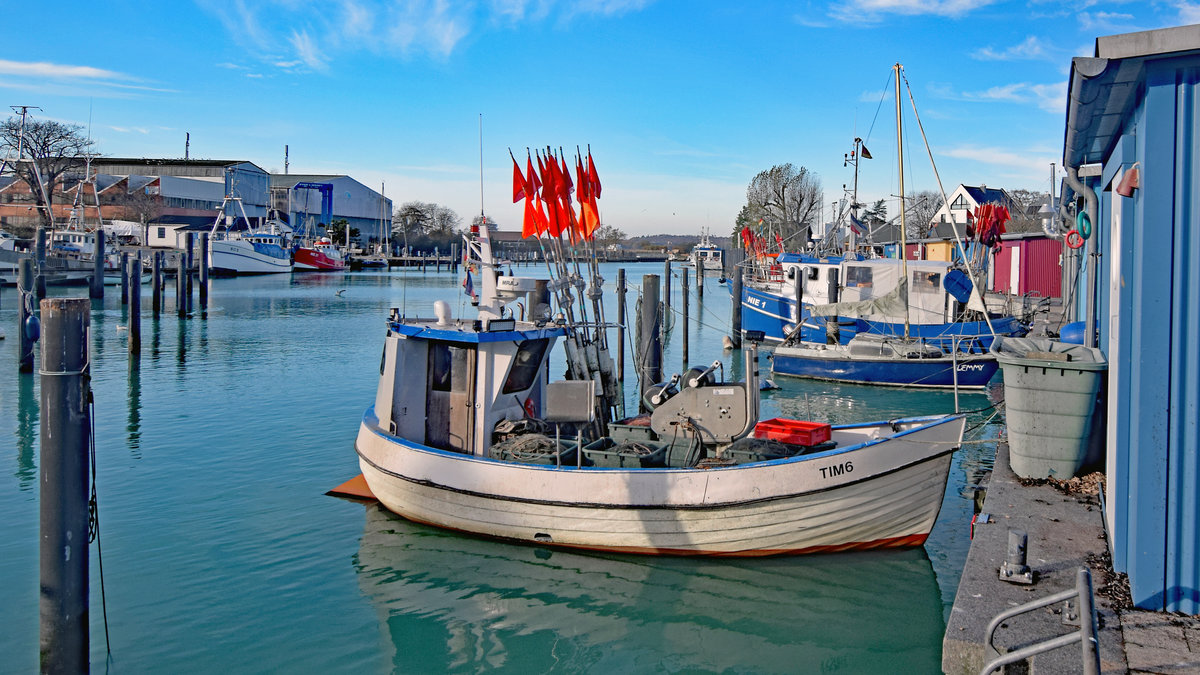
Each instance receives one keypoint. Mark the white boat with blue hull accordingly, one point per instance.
(779, 297)
(255, 250)
(877, 359)
(468, 433)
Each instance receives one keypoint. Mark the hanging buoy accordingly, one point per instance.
(1084, 225)
(1074, 239)
(33, 328)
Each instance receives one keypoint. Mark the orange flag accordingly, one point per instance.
(519, 188)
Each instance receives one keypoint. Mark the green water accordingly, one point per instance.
(222, 553)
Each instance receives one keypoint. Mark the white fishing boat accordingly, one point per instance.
(468, 433)
(255, 250)
(706, 255)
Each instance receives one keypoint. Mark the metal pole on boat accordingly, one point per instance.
(203, 272)
(954, 365)
(135, 307)
(124, 277)
(96, 287)
(156, 281)
(187, 289)
(39, 281)
(649, 352)
(683, 294)
(63, 502)
(739, 256)
(25, 284)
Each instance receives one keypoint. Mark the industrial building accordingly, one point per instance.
(300, 197)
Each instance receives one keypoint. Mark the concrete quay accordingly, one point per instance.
(1065, 532)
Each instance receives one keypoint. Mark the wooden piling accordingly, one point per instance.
(735, 333)
(180, 285)
(203, 273)
(649, 338)
(135, 307)
(683, 293)
(25, 293)
(700, 281)
(187, 289)
(124, 277)
(666, 299)
(621, 288)
(96, 287)
(156, 284)
(39, 281)
(63, 498)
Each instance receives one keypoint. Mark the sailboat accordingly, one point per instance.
(898, 360)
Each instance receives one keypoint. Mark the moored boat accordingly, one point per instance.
(468, 433)
(320, 255)
(255, 250)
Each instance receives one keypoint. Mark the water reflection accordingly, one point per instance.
(450, 603)
(134, 426)
(28, 408)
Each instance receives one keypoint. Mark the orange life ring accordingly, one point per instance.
(1074, 239)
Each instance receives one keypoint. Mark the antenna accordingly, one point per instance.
(187, 145)
(285, 159)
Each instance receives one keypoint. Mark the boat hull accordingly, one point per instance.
(885, 492)
(834, 363)
(311, 259)
(234, 256)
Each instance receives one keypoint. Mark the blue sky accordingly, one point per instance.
(681, 102)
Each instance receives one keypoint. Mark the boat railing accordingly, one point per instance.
(1083, 612)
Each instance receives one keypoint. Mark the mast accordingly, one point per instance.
(903, 224)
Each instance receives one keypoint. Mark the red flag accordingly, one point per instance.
(519, 189)
(550, 194)
(595, 177)
(532, 178)
(529, 223)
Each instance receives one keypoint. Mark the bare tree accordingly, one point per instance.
(608, 235)
(54, 147)
(787, 198)
(920, 208)
(1024, 210)
(426, 225)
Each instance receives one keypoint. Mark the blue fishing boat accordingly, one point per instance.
(882, 360)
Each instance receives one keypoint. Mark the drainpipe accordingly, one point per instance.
(1091, 207)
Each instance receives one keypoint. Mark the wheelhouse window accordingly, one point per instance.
(926, 282)
(858, 277)
(525, 365)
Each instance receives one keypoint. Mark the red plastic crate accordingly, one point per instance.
(795, 432)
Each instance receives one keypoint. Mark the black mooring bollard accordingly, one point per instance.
(180, 285)
(63, 500)
(666, 299)
(187, 290)
(39, 280)
(736, 331)
(621, 315)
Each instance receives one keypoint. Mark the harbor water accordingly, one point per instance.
(222, 553)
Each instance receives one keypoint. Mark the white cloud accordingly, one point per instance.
(1029, 162)
(1048, 97)
(307, 50)
(1105, 22)
(58, 71)
(872, 11)
(1030, 48)
(1189, 13)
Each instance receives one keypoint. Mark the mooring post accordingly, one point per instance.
(63, 499)
(650, 339)
(621, 288)
(96, 287)
(187, 289)
(736, 330)
(203, 272)
(39, 280)
(156, 281)
(25, 293)
(666, 298)
(124, 277)
(135, 307)
(683, 292)
(180, 284)
(699, 281)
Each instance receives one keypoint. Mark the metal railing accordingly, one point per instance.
(1085, 613)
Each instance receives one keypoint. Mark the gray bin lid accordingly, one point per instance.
(1045, 352)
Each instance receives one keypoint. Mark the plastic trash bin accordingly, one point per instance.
(1050, 392)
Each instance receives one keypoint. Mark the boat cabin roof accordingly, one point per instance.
(472, 331)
